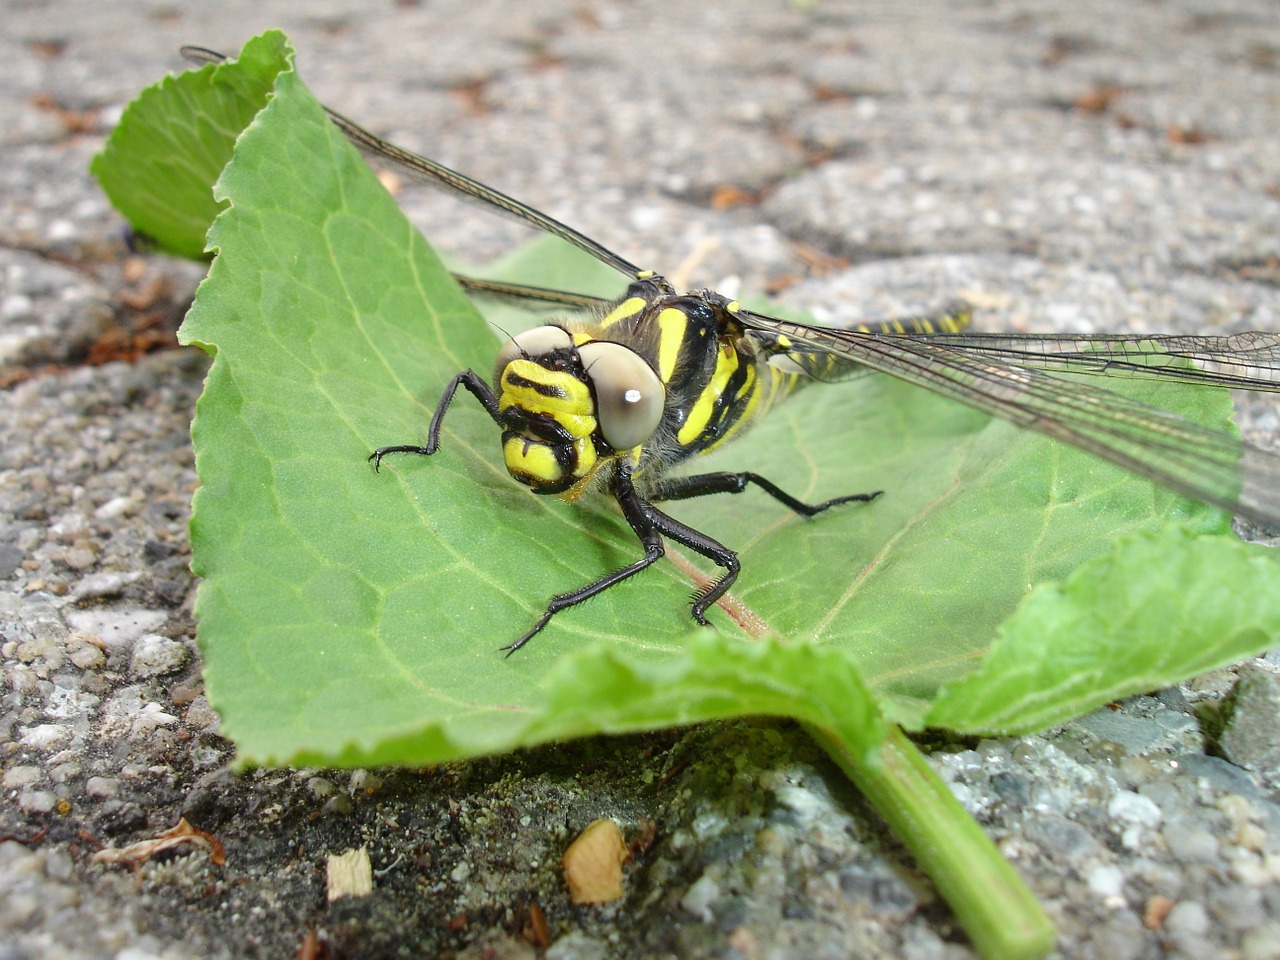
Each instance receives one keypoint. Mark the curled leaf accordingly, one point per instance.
(182, 833)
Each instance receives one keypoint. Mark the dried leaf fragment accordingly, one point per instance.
(173, 837)
(349, 874)
(593, 863)
(1155, 910)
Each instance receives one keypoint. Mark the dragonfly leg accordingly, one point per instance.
(648, 528)
(478, 389)
(704, 484)
(699, 542)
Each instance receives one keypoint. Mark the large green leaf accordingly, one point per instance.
(353, 617)
(357, 615)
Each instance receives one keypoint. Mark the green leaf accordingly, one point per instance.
(173, 141)
(355, 616)
(1114, 613)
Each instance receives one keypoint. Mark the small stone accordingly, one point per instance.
(1187, 918)
(58, 864)
(35, 649)
(116, 507)
(1262, 943)
(16, 306)
(11, 558)
(87, 657)
(698, 899)
(62, 230)
(1190, 843)
(1155, 910)
(1134, 808)
(339, 804)
(1060, 837)
(1122, 937)
(21, 776)
(1237, 808)
(80, 558)
(45, 736)
(107, 584)
(1011, 788)
(1249, 868)
(181, 694)
(1106, 881)
(1136, 815)
(1238, 908)
(154, 655)
(102, 786)
(207, 756)
(1251, 735)
(37, 801)
(1249, 836)
(65, 772)
(18, 909)
(200, 716)
(574, 945)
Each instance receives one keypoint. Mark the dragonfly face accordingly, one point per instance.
(569, 406)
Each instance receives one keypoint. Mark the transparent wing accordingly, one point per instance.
(1246, 361)
(500, 289)
(1009, 377)
(441, 176)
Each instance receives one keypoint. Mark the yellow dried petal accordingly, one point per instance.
(593, 863)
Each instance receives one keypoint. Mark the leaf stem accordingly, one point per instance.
(997, 910)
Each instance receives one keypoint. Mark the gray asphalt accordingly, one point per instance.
(1087, 167)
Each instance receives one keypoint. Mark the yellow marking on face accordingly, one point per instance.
(672, 325)
(527, 458)
(626, 309)
(534, 462)
(704, 406)
(563, 397)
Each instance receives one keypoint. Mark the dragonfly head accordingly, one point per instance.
(567, 409)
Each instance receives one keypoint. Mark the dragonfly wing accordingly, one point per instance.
(1010, 378)
(1247, 361)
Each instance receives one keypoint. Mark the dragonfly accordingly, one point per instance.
(619, 392)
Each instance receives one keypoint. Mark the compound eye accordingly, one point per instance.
(531, 343)
(629, 395)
